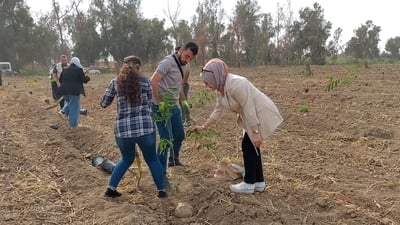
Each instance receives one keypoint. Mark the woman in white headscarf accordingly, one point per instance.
(257, 114)
(72, 79)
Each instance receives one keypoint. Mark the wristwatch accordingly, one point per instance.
(255, 132)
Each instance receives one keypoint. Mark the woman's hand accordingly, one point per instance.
(198, 128)
(257, 140)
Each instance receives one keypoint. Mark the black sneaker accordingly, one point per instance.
(83, 112)
(112, 193)
(162, 194)
(176, 163)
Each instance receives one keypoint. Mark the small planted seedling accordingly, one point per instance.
(308, 72)
(163, 115)
(334, 83)
(202, 98)
(304, 108)
(205, 138)
(165, 144)
(164, 108)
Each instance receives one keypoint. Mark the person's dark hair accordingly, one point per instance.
(177, 48)
(128, 80)
(192, 47)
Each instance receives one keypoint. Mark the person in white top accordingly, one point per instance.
(55, 80)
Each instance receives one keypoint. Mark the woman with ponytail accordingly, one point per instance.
(134, 124)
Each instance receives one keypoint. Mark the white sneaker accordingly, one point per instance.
(243, 188)
(259, 186)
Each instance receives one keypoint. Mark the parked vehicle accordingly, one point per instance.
(95, 72)
(5, 67)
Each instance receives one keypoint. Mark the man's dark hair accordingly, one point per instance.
(192, 47)
(177, 48)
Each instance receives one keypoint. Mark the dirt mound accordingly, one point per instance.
(334, 160)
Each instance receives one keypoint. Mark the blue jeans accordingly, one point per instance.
(172, 131)
(72, 107)
(147, 144)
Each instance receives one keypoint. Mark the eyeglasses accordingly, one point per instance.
(204, 70)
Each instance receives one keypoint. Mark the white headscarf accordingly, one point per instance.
(77, 62)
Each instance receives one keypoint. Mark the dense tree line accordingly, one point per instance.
(243, 37)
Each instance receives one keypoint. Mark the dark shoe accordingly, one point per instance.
(112, 193)
(83, 112)
(54, 126)
(187, 124)
(176, 163)
(162, 194)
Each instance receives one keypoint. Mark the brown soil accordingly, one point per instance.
(338, 163)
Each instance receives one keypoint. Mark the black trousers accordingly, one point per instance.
(252, 161)
(56, 94)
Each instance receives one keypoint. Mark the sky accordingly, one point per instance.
(347, 14)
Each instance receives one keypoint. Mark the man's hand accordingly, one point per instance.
(186, 110)
(161, 105)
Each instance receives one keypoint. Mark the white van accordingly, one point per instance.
(6, 68)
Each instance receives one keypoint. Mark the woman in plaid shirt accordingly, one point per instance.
(134, 124)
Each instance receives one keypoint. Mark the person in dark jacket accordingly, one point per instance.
(72, 79)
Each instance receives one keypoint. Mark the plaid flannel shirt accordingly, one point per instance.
(133, 119)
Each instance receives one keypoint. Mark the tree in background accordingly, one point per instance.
(283, 23)
(228, 52)
(101, 14)
(180, 29)
(334, 46)
(125, 32)
(58, 18)
(245, 26)
(183, 33)
(16, 28)
(393, 47)
(265, 37)
(364, 45)
(156, 41)
(311, 33)
(173, 17)
(208, 29)
(117, 28)
(82, 29)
